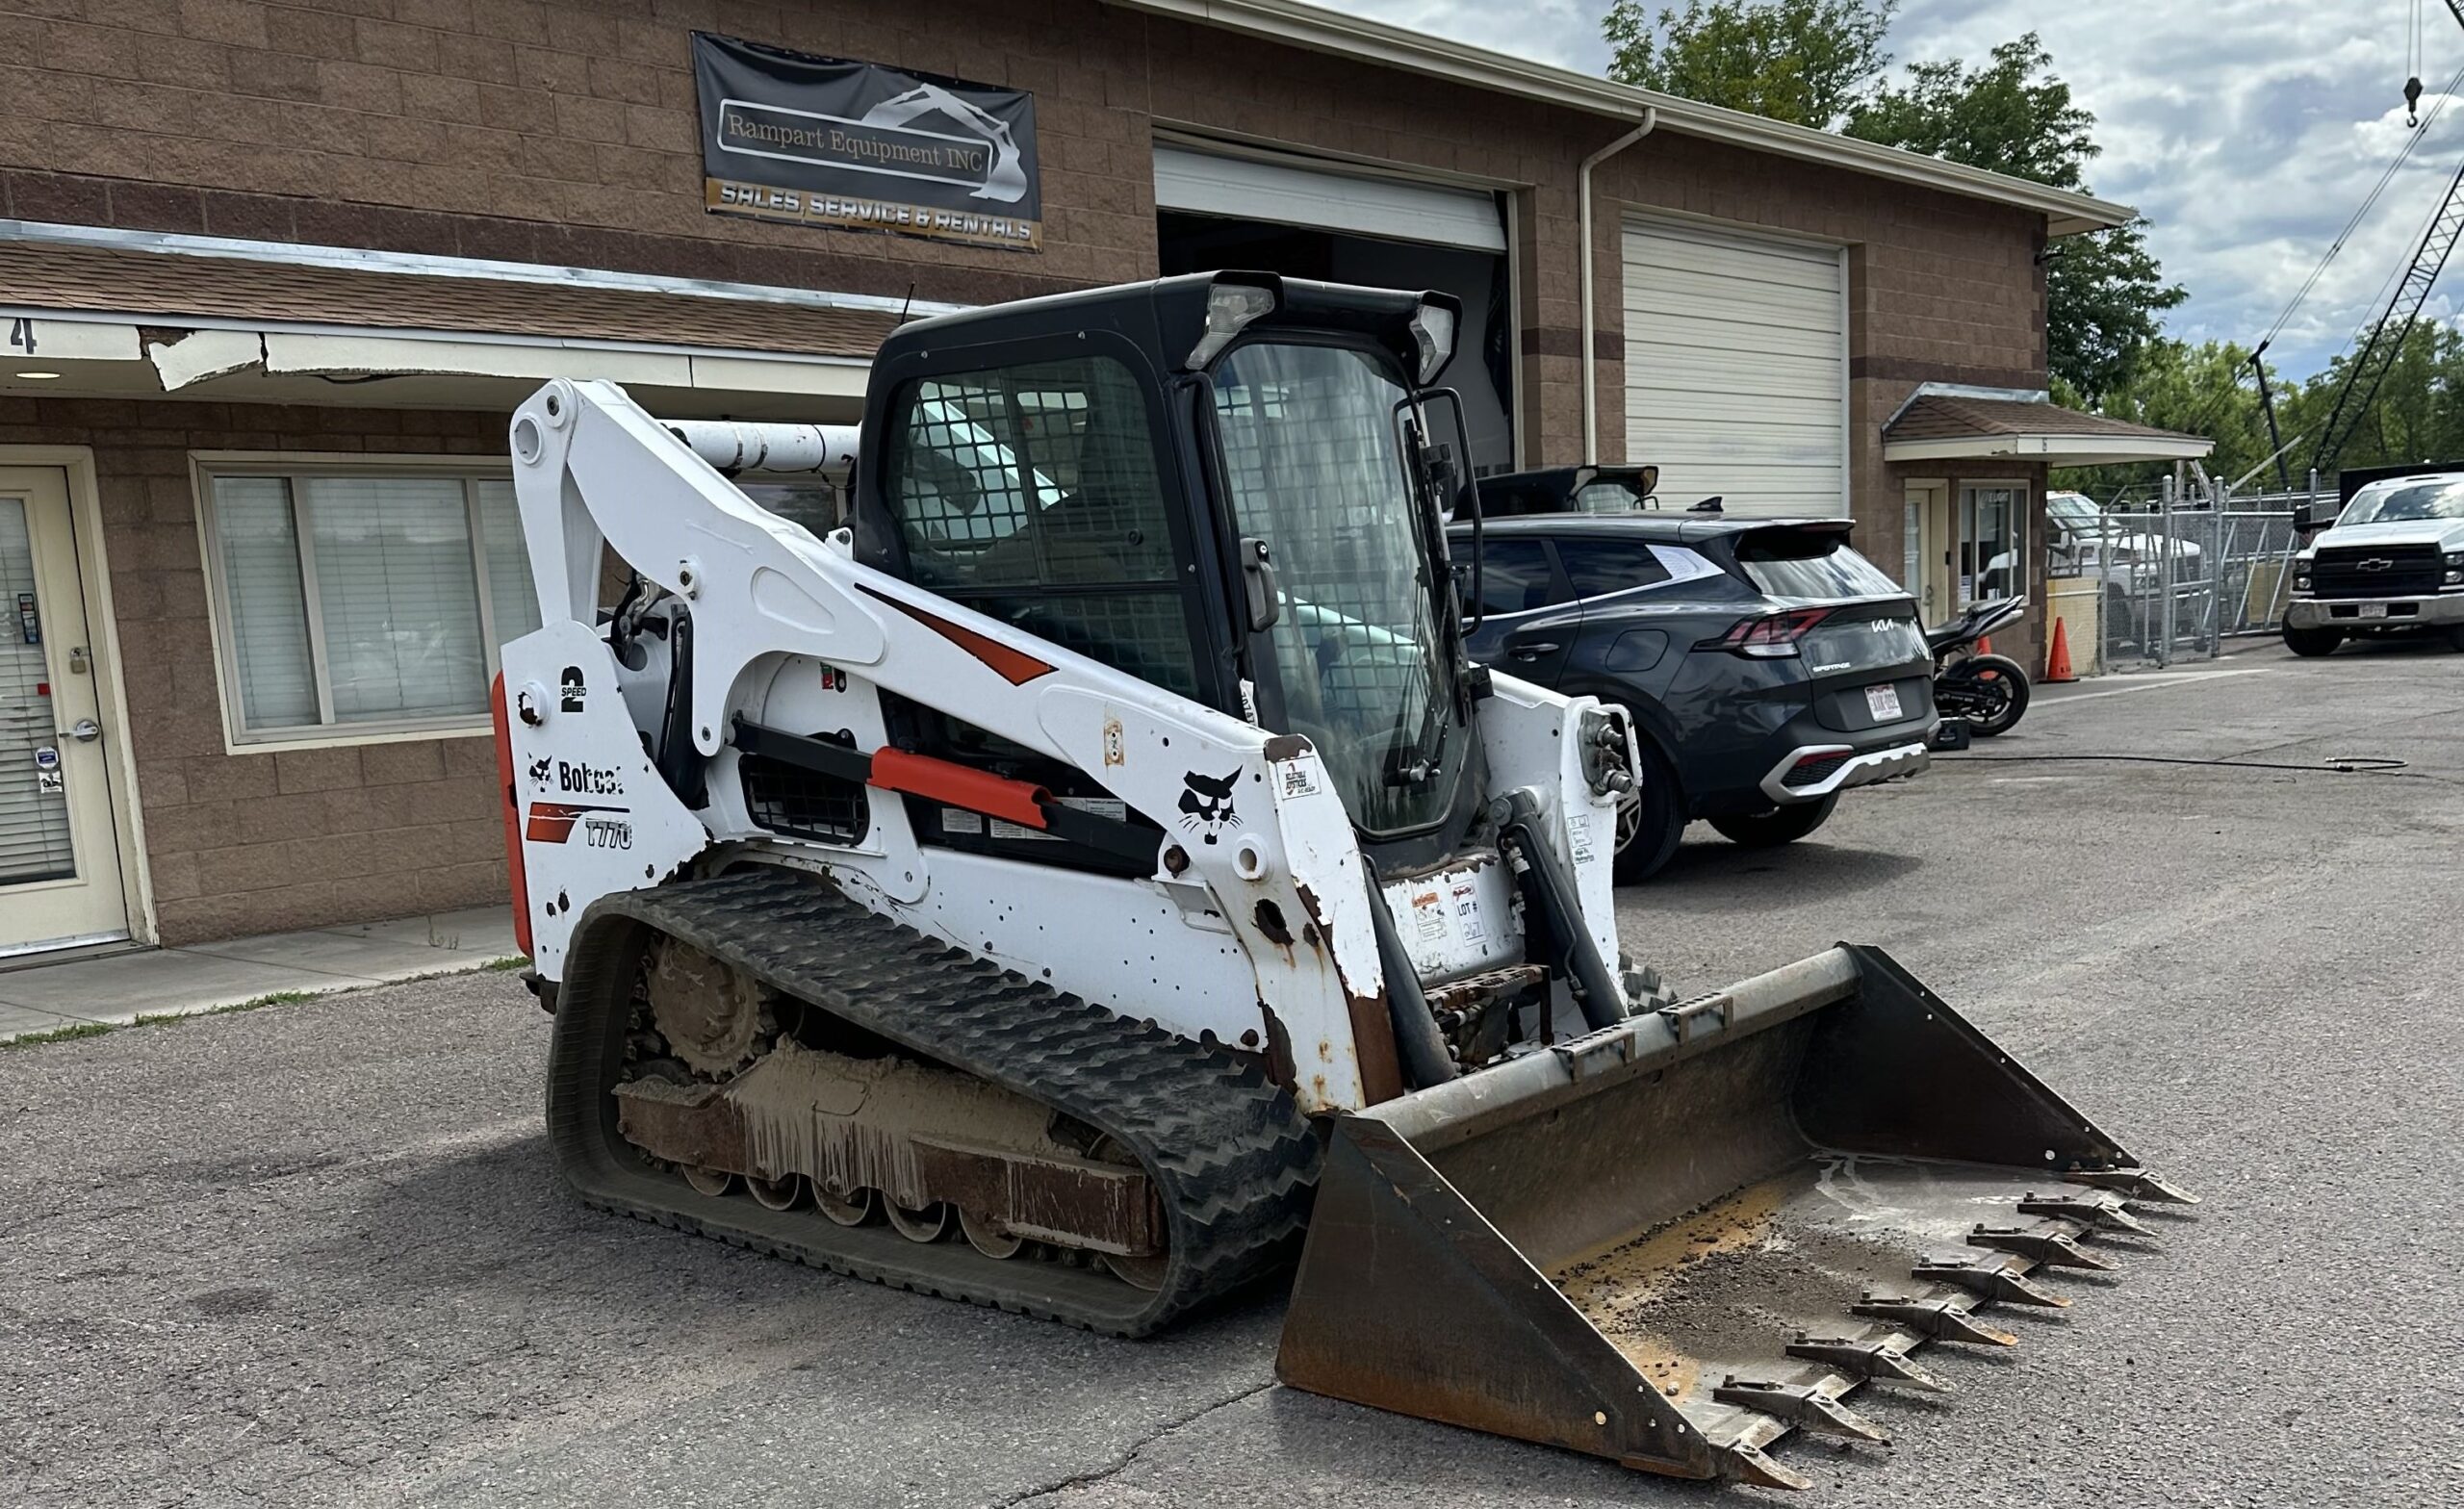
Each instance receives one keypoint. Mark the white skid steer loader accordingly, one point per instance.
(1099, 865)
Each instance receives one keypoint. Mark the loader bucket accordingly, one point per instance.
(1675, 1240)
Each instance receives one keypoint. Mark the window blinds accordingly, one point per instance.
(358, 598)
(34, 823)
(397, 596)
(512, 599)
(266, 606)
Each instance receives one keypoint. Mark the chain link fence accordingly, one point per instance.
(2174, 575)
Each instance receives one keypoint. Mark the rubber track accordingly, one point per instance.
(1232, 1160)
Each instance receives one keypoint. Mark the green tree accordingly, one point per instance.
(1820, 63)
(1805, 62)
(2104, 292)
(1999, 116)
(2199, 389)
(2415, 415)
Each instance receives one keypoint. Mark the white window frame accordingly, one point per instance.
(294, 466)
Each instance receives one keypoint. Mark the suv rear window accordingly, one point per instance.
(1787, 563)
(1603, 566)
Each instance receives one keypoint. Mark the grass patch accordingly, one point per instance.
(76, 1030)
(253, 1003)
(72, 1030)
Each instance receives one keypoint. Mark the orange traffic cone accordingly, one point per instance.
(2057, 662)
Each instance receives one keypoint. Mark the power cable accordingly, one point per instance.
(2335, 764)
(2412, 140)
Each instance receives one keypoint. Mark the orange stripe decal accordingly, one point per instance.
(552, 822)
(1014, 666)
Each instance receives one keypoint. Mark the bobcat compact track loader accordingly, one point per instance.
(1100, 863)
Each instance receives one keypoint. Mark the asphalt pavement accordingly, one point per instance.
(315, 1254)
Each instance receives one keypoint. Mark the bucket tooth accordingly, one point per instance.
(1753, 1464)
(2135, 1184)
(1870, 1360)
(1993, 1278)
(2102, 1210)
(1802, 1405)
(2043, 1244)
(1937, 1320)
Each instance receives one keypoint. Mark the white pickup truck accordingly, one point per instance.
(2392, 563)
(2086, 541)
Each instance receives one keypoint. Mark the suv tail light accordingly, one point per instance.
(1770, 638)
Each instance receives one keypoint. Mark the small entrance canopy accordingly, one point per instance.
(1942, 421)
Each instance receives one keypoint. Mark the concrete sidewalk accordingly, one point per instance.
(117, 988)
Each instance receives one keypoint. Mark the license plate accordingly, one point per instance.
(2373, 610)
(1883, 701)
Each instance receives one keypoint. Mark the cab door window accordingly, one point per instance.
(1032, 493)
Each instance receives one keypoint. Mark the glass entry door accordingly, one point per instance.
(59, 874)
(1928, 541)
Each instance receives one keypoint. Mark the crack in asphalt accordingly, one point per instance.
(1120, 1462)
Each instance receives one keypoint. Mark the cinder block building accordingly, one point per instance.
(274, 274)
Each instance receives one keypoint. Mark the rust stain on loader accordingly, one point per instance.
(1372, 1030)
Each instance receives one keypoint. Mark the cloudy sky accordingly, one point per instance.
(2248, 131)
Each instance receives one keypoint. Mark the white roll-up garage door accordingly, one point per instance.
(1736, 376)
(1285, 191)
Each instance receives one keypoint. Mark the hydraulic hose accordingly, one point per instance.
(1417, 1040)
(1550, 901)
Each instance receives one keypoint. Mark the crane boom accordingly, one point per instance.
(2386, 338)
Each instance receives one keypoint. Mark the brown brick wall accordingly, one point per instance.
(1940, 288)
(282, 838)
(563, 131)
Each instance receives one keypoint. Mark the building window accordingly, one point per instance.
(362, 601)
(818, 506)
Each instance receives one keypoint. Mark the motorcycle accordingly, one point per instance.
(1986, 692)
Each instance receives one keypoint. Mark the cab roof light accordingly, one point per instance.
(1433, 337)
(1230, 308)
(1772, 637)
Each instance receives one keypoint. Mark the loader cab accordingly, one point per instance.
(1223, 485)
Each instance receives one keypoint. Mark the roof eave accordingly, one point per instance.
(1321, 30)
(2061, 450)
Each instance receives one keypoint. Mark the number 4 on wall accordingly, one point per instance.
(21, 336)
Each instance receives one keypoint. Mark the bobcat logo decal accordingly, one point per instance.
(1206, 803)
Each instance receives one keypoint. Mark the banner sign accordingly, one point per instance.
(825, 141)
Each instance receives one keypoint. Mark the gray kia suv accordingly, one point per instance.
(1768, 665)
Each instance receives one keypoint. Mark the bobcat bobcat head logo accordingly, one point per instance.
(1206, 803)
(539, 769)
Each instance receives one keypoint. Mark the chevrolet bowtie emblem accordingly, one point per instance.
(2375, 563)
